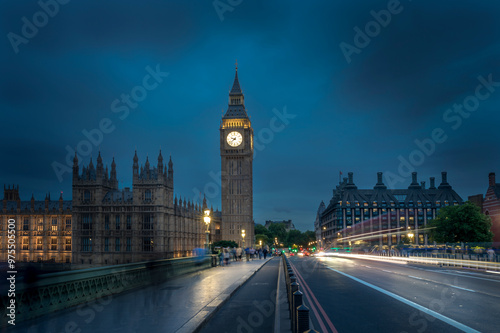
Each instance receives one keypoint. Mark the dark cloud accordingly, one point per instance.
(356, 117)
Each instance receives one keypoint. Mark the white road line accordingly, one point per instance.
(462, 288)
(387, 271)
(415, 277)
(458, 274)
(277, 310)
(492, 272)
(412, 304)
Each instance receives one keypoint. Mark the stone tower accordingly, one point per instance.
(236, 151)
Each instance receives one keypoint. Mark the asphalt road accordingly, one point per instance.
(252, 307)
(354, 295)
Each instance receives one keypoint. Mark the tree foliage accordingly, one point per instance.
(278, 230)
(225, 243)
(465, 223)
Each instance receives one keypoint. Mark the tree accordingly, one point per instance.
(261, 237)
(278, 230)
(225, 243)
(260, 229)
(465, 223)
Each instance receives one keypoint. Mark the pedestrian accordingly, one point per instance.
(491, 254)
(221, 258)
(252, 252)
(238, 253)
(233, 253)
(260, 253)
(247, 253)
(265, 253)
(226, 256)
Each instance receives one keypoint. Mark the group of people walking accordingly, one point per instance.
(238, 254)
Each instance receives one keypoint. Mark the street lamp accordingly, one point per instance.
(260, 244)
(206, 219)
(410, 235)
(243, 237)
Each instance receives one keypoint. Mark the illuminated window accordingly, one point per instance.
(54, 225)
(39, 244)
(53, 244)
(68, 244)
(68, 224)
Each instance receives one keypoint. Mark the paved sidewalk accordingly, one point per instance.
(179, 305)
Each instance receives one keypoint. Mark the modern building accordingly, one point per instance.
(287, 223)
(382, 216)
(116, 226)
(42, 228)
(490, 205)
(236, 151)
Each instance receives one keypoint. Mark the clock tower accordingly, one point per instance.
(236, 151)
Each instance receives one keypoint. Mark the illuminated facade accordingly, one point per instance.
(236, 151)
(43, 228)
(384, 216)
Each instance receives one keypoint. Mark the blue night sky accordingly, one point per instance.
(354, 101)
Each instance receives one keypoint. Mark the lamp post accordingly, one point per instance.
(206, 219)
(410, 235)
(243, 238)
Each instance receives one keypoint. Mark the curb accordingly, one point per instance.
(208, 314)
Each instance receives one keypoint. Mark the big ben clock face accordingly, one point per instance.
(234, 139)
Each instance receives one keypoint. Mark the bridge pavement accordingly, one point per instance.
(178, 305)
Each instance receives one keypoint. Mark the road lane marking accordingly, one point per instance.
(307, 292)
(462, 288)
(277, 313)
(492, 272)
(435, 314)
(415, 277)
(458, 274)
(387, 271)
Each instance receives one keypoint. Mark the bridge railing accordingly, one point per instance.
(40, 295)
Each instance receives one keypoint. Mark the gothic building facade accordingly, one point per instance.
(382, 216)
(236, 151)
(42, 228)
(145, 222)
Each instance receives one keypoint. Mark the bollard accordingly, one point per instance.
(297, 301)
(302, 318)
(293, 288)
